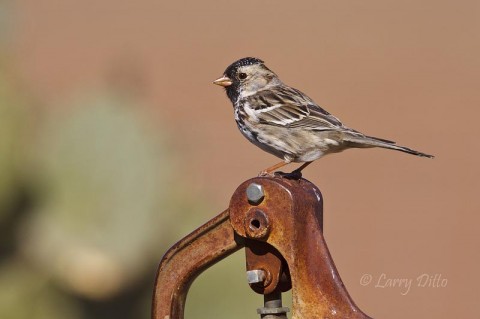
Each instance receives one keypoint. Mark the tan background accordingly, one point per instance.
(401, 70)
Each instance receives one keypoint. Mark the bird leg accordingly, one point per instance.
(268, 171)
(299, 170)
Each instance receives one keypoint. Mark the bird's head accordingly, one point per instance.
(245, 77)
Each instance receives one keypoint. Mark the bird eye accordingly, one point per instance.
(242, 76)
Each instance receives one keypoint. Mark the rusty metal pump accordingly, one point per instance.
(279, 221)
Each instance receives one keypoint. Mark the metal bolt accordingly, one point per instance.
(255, 193)
(256, 276)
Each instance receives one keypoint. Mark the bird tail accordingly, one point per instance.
(363, 141)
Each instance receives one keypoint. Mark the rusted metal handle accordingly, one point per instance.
(282, 229)
(187, 259)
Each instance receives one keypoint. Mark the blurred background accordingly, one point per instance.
(114, 144)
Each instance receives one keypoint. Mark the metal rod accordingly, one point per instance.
(272, 306)
(273, 300)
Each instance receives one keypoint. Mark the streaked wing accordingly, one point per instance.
(285, 106)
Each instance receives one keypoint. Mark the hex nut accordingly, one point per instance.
(256, 276)
(255, 194)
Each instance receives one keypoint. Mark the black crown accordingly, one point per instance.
(242, 62)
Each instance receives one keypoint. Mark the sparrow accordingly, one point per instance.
(287, 123)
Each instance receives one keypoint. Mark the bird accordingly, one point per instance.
(285, 122)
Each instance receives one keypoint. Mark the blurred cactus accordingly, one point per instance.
(107, 178)
(101, 209)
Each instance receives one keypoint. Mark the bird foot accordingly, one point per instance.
(295, 175)
(266, 174)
